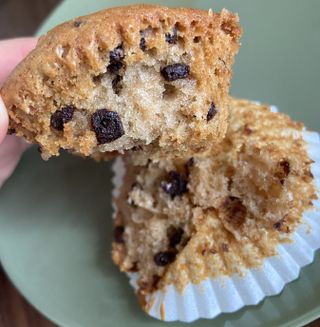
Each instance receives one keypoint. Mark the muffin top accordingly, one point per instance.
(136, 77)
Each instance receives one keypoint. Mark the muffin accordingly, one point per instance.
(124, 78)
(218, 214)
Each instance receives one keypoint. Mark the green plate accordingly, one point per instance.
(55, 217)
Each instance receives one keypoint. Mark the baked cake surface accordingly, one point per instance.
(126, 78)
(185, 220)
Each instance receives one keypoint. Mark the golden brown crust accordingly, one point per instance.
(61, 71)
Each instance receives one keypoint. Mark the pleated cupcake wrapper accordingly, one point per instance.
(229, 294)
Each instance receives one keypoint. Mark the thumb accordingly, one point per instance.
(11, 147)
(3, 121)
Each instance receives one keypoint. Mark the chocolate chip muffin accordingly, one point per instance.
(127, 78)
(183, 220)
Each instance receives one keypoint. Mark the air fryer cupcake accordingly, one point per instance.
(127, 78)
(182, 221)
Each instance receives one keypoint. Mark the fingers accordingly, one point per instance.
(10, 152)
(12, 52)
(11, 147)
(3, 121)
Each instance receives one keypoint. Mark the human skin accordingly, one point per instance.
(11, 147)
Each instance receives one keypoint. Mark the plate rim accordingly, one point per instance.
(307, 317)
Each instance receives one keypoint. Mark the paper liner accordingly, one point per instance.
(228, 294)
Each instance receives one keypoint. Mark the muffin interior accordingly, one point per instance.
(184, 220)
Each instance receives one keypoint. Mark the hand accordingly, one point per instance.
(11, 147)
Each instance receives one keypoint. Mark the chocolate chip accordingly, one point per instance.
(39, 149)
(116, 84)
(11, 131)
(235, 211)
(118, 234)
(117, 54)
(197, 39)
(174, 235)
(172, 38)
(283, 171)
(107, 125)
(176, 185)
(212, 111)
(61, 117)
(286, 167)
(116, 59)
(278, 224)
(142, 44)
(281, 226)
(176, 71)
(115, 67)
(77, 23)
(164, 258)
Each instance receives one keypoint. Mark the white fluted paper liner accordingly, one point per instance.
(228, 294)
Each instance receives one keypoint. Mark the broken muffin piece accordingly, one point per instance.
(152, 72)
(217, 213)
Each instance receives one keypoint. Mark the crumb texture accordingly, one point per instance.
(157, 71)
(217, 213)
